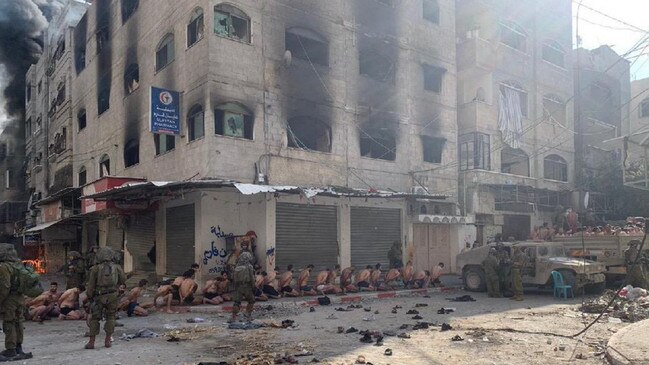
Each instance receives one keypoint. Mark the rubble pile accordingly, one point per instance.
(631, 305)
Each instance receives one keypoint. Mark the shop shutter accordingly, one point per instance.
(139, 240)
(306, 234)
(115, 237)
(373, 230)
(180, 239)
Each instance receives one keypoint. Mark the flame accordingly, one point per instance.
(37, 264)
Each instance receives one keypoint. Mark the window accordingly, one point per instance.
(196, 122)
(599, 92)
(431, 11)
(60, 94)
(103, 95)
(644, 108)
(28, 92)
(82, 176)
(307, 45)
(514, 161)
(131, 153)
(9, 180)
(379, 144)
(554, 109)
(230, 22)
(433, 77)
(513, 35)
(39, 122)
(376, 66)
(508, 90)
(308, 134)
(28, 127)
(433, 148)
(233, 120)
(80, 44)
(164, 143)
(554, 53)
(40, 87)
(104, 166)
(131, 78)
(475, 151)
(81, 119)
(128, 8)
(555, 168)
(60, 48)
(164, 53)
(196, 27)
(102, 37)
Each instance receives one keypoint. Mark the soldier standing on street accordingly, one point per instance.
(634, 273)
(244, 280)
(76, 271)
(504, 267)
(490, 265)
(12, 306)
(518, 262)
(395, 255)
(90, 260)
(102, 289)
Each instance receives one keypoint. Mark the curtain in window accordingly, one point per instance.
(510, 118)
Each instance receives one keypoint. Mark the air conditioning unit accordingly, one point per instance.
(418, 190)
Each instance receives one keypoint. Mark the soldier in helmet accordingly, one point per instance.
(90, 260)
(244, 280)
(634, 270)
(76, 270)
(102, 289)
(490, 266)
(12, 306)
(504, 267)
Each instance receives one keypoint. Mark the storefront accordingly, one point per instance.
(373, 231)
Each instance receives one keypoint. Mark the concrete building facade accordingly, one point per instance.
(515, 113)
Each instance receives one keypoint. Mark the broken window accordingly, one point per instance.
(196, 122)
(28, 127)
(513, 35)
(307, 45)
(553, 52)
(104, 166)
(376, 66)
(555, 168)
(433, 148)
(475, 151)
(231, 22)
(81, 119)
(128, 8)
(164, 143)
(131, 153)
(644, 108)
(164, 53)
(82, 176)
(40, 87)
(60, 94)
(28, 92)
(80, 44)
(431, 11)
(522, 95)
(103, 95)
(131, 78)
(102, 37)
(233, 120)
(60, 48)
(9, 180)
(514, 161)
(433, 78)
(308, 134)
(196, 27)
(554, 109)
(379, 144)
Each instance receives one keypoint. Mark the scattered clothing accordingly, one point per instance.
(244, 326)
(464, 298)
(143, 333)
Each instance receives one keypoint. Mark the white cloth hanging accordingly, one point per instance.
(510, 117)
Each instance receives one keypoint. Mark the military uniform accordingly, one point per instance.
(102, 288)
(76, 271)
(89, 260)
(518, 262)
(490, 266)
(395, 256)
(634, 270)
(12, 306)
(504, 268)
(244, 281)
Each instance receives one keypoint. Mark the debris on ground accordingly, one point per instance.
(457, 338)
(464, 298)
(445, 310)
(143, 333)
(245, 326)
(196, 320)
(632, 305)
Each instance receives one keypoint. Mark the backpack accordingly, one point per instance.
(25, 281)
(243, 275)
(107, 276)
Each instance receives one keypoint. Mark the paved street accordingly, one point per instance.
(61, 342)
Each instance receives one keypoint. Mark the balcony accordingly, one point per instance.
(477, 116)
(476, 54)
(483, 177)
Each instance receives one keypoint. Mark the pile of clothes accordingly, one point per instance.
(631, 305)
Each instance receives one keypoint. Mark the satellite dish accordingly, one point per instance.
(288, 58)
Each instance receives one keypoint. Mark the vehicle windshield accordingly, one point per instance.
(552, 251)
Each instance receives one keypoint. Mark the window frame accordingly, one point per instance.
(433, 78)
(478, 157)
(292, 138)
(126, 12)
(194, 111)
(130, 145)
(157, 140)
(84, 171)
(312, 38)
(234, 108)
(435, 4)
(553, 162)
(83, 112)
(104, 161)
(557, 101)
(515, 30)
(642, 113)
(129, 71)
(522, 94)
(168, 44)
(229, 13)
(426, 147)
(369, 54)
(384, 142)
(554, 46)
(196, 26)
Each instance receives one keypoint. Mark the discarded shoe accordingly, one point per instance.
(332, 316)
(404, 327)
(388, 352)
(445, 310)
(368, 309)
(464, 298)
(457, 338)
(446, 327)
(419, 305)
(397, 307)
(389, 333)
(412, 311)
(311, 309)
(341, 329)
(367, 338)
(394, 311)
(376, 312)
(351, 330)
(360, 359)
(340, 309)
(403, 335)
(418, 317)
(421, 326)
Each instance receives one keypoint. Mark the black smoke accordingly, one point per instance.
(22, 23)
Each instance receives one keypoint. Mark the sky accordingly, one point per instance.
(596, 29)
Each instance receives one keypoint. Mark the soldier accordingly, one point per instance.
(504, 267)
(490, 266)
(244, 280)
(103, 282)
(395, 255)
(634, 273)
(76, 270)
(90, 260)
(12, 306)
(518, 262)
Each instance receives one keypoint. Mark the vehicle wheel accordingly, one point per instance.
(596, 288)
(569, 278)
(474, 280)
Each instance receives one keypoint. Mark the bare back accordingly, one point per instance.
(321, 278)
(188, 287)
(285, 279)
(69, 299)
(303, 279)
(363, 276)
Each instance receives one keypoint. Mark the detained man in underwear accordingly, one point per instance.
(285, 283)
(346, 280)
(130, 302)
(181, 289)
(259, 288)
(421, 280)
(407, 273)
(375, 277)
(70, 305)
(303, 281)
(224, 286)
(391, 279)
(325, 282)
(211, 292)
(45, 305)
(269, 286)
(363, 279)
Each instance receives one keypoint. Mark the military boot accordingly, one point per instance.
(108, 341)
(8, 355)
(21, 354)
(91, 343)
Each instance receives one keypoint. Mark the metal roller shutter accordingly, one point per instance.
(306, 234)
(115, 237)
(139, 240)
(373, 231)
(180, 239)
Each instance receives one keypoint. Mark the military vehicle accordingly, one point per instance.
(542, 259)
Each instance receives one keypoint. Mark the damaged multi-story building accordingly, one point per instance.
(13, 199)
(515, 113)
(325, 130)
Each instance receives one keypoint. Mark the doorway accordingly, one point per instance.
(432, 246)
(517, 226)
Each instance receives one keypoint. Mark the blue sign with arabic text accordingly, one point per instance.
(164, 111)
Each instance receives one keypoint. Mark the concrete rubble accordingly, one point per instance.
(631, 305)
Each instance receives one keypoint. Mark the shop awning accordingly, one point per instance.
(42, 226)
